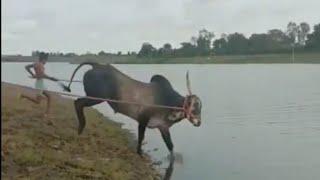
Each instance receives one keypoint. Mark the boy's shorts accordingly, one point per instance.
(40, 86)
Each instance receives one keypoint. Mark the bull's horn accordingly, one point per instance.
(188, 83)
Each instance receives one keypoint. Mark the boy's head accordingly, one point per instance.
(43, 57)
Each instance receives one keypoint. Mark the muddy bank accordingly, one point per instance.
(34, 148)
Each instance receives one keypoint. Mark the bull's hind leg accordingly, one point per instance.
(79, 105)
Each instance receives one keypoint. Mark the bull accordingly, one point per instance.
(105, 81)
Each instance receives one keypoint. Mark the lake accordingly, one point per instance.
(259, 121)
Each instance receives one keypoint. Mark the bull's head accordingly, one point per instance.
(192, 105)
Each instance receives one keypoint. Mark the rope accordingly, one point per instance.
(63, 80)
(105, 99)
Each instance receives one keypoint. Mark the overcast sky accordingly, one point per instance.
(93, 25)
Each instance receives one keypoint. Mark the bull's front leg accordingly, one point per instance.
(165, 133)
(141, 132)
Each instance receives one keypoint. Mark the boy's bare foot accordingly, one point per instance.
(50, 123)
(47, 117)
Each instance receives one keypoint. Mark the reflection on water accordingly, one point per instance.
(177, 159)
(169, 170)
(258, 121)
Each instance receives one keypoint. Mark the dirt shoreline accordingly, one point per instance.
(32, 148)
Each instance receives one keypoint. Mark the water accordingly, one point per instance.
(258, 121)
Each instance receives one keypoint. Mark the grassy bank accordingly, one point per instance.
(228, 59)
(33, 148)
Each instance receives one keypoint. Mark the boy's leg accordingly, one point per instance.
(39, 85)
(48, 108)
(35, 100)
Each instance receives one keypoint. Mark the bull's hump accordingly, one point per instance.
(161, 80)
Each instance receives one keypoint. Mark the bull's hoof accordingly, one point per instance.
(139, 151)
(80, 131)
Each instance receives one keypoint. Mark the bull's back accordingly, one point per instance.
(134, 91)
(108, 82)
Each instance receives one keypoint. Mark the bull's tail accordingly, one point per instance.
(74, 72)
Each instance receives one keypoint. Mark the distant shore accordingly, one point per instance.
(219, 59)
(34, 147)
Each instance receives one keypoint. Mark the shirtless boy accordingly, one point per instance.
(39, 75)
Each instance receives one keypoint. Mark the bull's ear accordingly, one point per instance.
(188, 83)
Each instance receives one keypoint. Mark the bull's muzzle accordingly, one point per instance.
(196, 122)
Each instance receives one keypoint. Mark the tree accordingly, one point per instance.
(160, 52)
(35, 53)
(167, 50)
(224, 36)
(280, 42)
(278, 35)
(237, 44)
(167, 46)
(187, 50)
(88, 53)
(313, 42)
(102, 53)
(194, 40)
(70, 54)
(220, 46)
(292, 31)
(260, 43)
(303, 32)
(147, 50)
(204, 41)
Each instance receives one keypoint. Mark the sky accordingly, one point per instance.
(82, 26)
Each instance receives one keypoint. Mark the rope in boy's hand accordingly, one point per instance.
(62, 80)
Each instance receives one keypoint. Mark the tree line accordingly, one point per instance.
(71, 54)
(296, 36)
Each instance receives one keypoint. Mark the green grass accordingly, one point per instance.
(28, 157)
(34, 149)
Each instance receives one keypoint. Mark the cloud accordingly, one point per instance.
(7, 36)
(94, 35)
(123, 25)
(17, 29)
(23, 25)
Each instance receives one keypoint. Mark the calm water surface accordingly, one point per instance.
(258, 121)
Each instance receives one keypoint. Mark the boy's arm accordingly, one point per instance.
(28, 68)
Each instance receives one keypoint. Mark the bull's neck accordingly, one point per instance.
(181, 101)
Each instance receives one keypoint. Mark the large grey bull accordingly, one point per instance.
(105, 81)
